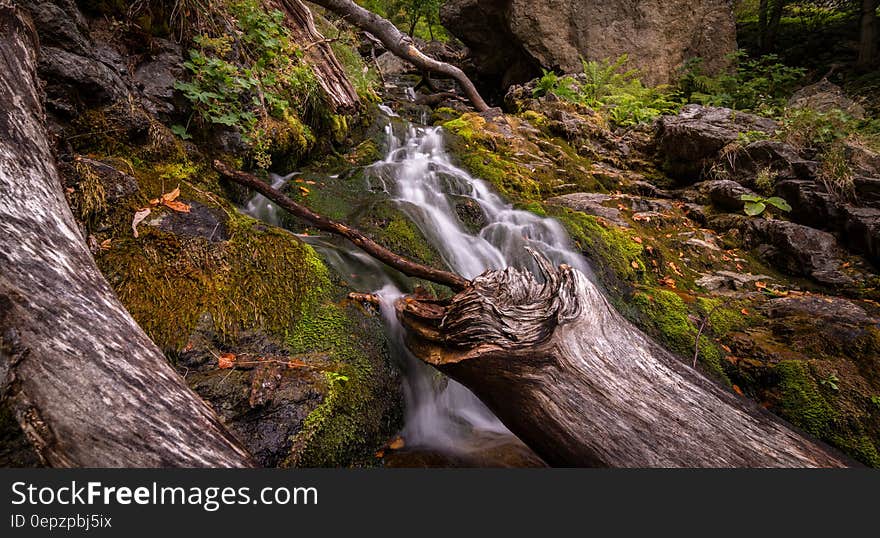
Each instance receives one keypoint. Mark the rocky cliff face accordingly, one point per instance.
(512, 39)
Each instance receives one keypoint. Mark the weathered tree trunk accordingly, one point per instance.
(868, 34)
(407, 267)
(401, 45)
(85, 383)
(583, 387)
(341, 93)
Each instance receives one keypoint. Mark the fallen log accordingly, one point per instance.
(407, 267)
(582, 386)
(402, 45)
(84, 382)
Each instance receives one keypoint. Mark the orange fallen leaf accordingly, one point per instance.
(738, 390)
(635, 264)
(295, 363)
(176, 206)
(105, 244)
(760, 285)
(637, 240)
(380, 454)
(226, 360)
(304, 191)
(397, 443)
(744, 311)
(725, 348)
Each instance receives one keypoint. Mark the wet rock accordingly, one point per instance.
(155, 79)
(74, 81)
(724, 193)
(263, 402)
(200, 221)
(729, 280)
(591, 204)
(390, 64)
(867, 190)
(470, 214)
(825, 96)
(863, 160)
(691, 141)
(827, 325)
(810, 203)
(60, 24)
(861, 231)
(797, 249)
(640, 204)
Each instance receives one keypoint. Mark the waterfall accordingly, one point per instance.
(417, 173)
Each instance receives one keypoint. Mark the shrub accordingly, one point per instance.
(756, 84)
(255, 83)
(607, 87)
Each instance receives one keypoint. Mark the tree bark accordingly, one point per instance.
(582, 386)
(772, 29)
(343, 97)
(407, 267)
(868, 34)
(85, 383)
(401, 45)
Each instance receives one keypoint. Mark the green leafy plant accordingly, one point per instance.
(180, 131)
(876, 401)
(756, 205)
(606, 86)
(831, 382)
(253, 81)
(551, 83)
(756, 84)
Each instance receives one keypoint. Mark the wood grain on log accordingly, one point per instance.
(342, 95)
(320, 222)
(583, 387)
(85, 383)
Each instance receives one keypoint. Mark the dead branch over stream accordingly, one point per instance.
(322, 223)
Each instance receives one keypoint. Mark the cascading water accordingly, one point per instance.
(261, 207)
(418, 175)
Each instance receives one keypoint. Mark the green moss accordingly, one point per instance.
(666, 315)
(619, 259)
(722, 318)
(258, 279)
(801, 401)
(361, 408)
(469, 127)
(402, 236)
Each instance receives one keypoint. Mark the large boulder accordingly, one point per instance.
(512, 39)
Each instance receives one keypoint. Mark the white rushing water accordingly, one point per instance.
(262, 208)
(418, 175)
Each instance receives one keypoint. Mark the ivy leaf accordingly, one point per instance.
(779, 203)
(754, 209)
(229, 119)
(180, 131)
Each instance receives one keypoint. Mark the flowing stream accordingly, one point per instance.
(418, 175)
